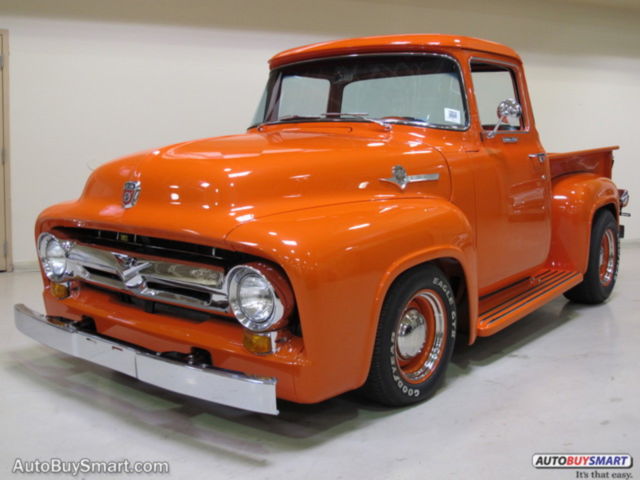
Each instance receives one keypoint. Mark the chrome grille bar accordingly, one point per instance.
(171, 282)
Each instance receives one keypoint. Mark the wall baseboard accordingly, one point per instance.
(28, 266)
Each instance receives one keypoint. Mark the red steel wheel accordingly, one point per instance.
(604, 256)
(608, 255)
(415, 338)
(420, 336)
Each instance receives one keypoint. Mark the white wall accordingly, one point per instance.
(91, 80)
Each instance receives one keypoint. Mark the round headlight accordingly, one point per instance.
(53, 256)
(257, 297)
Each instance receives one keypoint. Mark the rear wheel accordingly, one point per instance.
(604, 255)
(415, 338)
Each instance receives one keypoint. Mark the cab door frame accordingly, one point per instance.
(522, 204)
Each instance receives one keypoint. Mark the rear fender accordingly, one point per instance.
(576, 199)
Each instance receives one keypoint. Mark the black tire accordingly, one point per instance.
(397, 380)
(604, 256)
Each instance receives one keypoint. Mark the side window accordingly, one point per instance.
(493, 84)
(306, 96)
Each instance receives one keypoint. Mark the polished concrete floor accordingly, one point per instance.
(564, 379)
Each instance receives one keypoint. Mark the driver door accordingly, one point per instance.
(511, 180)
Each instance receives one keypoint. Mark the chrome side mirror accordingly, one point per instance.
(507, 108)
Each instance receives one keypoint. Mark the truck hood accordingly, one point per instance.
(209, 186)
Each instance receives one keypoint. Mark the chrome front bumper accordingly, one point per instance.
(257, 394)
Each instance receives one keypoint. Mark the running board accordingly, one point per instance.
(500, 309)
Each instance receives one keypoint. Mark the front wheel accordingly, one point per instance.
(604, 256)
(414, 340)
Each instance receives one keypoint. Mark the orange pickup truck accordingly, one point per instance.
(376, 208)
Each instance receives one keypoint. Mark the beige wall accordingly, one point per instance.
(94, 80)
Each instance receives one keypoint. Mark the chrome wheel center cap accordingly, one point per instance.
(411, 334)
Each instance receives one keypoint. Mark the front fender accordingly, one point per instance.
(341, 260)
(575, 200)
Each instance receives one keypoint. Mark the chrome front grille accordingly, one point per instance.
(176, 283)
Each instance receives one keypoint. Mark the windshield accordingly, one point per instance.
(416, 89)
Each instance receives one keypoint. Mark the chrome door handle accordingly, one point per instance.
(540, 156)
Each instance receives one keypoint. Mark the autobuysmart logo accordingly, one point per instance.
(582, 460)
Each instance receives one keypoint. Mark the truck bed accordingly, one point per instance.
(597, 160)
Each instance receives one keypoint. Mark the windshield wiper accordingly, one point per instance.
(332, 115)
(292, 118)
(361, 116)
(298, 117)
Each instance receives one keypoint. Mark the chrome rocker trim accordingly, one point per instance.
(257, 394)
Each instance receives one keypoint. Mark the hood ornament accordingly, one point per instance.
(130, 194)
(401, 179)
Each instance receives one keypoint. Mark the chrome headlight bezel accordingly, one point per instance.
(54, 273)
(278, 293)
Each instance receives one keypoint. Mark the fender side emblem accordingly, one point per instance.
(401, 179)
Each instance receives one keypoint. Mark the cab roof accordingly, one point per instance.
(389, 43)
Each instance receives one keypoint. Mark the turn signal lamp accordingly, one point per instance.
(59, 290)
(259, 343)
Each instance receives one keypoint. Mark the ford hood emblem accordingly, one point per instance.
(130, 194)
